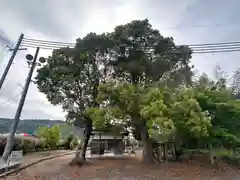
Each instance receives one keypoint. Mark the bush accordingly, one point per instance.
(231, 160)
(50, 136)
(40, 146)
(67, 143)
(27, 146)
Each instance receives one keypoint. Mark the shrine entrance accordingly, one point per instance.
(107, 144)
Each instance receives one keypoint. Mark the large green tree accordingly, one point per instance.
(133, 53)
(70, 79)
(218, 100)
(156, 112)
(144, 56)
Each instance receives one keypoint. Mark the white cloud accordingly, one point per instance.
(66, 20)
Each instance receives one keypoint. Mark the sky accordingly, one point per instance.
(187, 21)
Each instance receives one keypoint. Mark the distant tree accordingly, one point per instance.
(236, 82)
(220, 77)
(49, 136)
(204, 81)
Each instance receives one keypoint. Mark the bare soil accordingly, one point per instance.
(122, 168)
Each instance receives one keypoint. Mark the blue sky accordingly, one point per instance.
(63, 20)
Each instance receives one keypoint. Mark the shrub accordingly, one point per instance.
(67, 143)
(27, 146)
(40, 146)
(50, 136)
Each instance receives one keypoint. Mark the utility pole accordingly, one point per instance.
(16, 48)
(10, 139)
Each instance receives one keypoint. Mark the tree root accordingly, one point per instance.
(77, 161)
(148, 159)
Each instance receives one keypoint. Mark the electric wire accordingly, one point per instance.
(233, 46)
(55, 43)
(196, 51)
(199, 26)
(47, 41)
(196, 48)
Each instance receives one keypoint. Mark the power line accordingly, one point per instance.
(200, 51)
(196, 48)
(219, 48)
(216, 51)
(29, 41)
(45, 46)
(198, 26)
(215, 44)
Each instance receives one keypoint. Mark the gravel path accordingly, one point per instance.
(119, 169)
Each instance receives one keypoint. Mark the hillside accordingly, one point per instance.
(26, 126)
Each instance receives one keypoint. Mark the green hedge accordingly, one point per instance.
(28, 146)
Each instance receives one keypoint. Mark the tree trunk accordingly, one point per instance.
(78, 148)
(199, 145)
(165, 151)
(234, 153)
(147, 150)
(211, 158)
(85, 145)
(80, 157)
(160, 152)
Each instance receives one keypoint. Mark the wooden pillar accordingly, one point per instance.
(173, 151)
(99, 143)
(166, 151)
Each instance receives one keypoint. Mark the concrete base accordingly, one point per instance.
(4, 167)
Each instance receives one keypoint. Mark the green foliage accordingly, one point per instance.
(223, 110)
(49, 136)
(157, 114)
(73, 143)
(146, 56)
(66, 131)
(134, 77)
(27, 146)
(40, 146)
(163, 114)
(189, 117)
(70, 142)
(133, 53)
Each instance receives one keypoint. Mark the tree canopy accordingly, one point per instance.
(134, 78)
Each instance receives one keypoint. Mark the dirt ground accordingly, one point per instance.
(121, 168)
